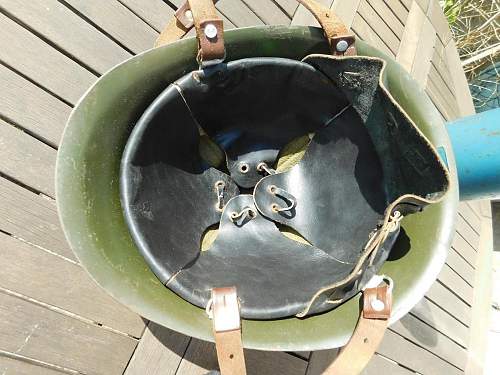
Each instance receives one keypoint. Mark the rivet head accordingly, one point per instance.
(189, 15)
(377, 305)
(210, 31)
(342, 46)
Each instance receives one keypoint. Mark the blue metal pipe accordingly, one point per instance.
(476, 145)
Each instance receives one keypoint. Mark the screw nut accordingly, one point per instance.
(377, 305)
(210, 31)
(342, 46)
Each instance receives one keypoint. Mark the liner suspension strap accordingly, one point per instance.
(225, 312)
(209, 30)
(371, 327)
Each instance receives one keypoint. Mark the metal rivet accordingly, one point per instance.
(377, 305)
(189, 15)
(210, 31)
(342, 46)
(244, 167)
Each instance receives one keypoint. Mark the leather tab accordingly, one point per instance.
(332, 25)
(182, 15)
(369, 332)
(377, 303)
(226, 311)
(211, 48)
(227, 331)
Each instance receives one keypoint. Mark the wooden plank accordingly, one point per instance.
(11, 366)
(462, 92)
(33, 331)
(159, 352)
(447, 301)
(443, 88)
(456, 284)
(481, 307)
(377, 24)
(39, 275)
(155, 12)
(39, 61)
(442, 321)
(69, 32)
(464, 249)
(460, 266)
(438, 101)
(365, 32)
(467, 232)
(439, 64)
(268, 12)
(406, 353)
(399, 10)
(470, 216)
(26, 159)
(424, 4)
(119, 22)
(31, 108)
(388, 16)
(436, 16)
(303, 17)
(410, 39)
(289, 6)
(424, 52)
(238, 13)
(346, 10)
(381, 365)
(378, 364)
(427, 337)
(407, 3)
(200, 357)
(32, 218)
(476, 207)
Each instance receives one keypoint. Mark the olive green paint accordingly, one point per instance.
(89, 206)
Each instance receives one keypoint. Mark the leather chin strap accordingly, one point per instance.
(352, 358)
(209, 29)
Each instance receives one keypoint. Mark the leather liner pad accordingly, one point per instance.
(253, 107)
(338, 188)
(274, 275)
(168, 193)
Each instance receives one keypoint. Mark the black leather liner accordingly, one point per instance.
(365, 154)
(168, 193)
(274, 275)
(337, 186)
(253, 107)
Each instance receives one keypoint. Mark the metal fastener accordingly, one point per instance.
(210, 31)
(377, 305)
(342, 46)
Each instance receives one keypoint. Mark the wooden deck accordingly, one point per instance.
(54, 319)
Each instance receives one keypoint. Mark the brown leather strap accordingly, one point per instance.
(227, 331)
(340, 40)
(337, 34)
(372, 324)
(209, 30)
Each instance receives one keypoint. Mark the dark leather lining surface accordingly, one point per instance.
(334, 197)
(253, 107)
(338, 186)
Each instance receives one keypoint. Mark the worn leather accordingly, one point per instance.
(338, 186)
(352, 178)
(268, 269)
(333, 27)
(168, 191)
(253, 107)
